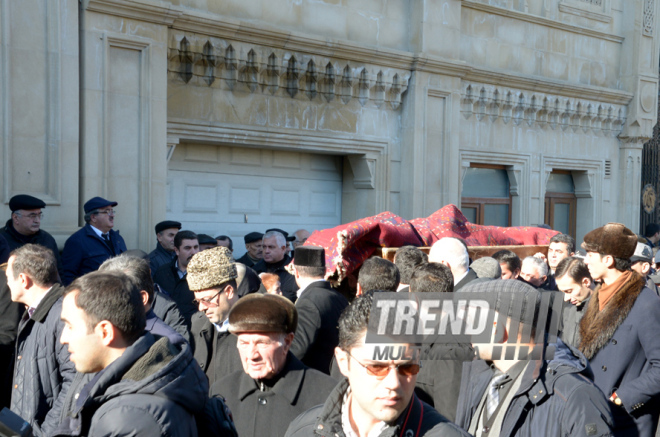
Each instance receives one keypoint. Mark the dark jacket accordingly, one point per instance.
(10, 316)
(42, 370)
(439, 380)
(216, 352)
(159, 257)
(177, 289)
(245, 259)
(623, 346)
(418, 419)
(84, 252)
(167, 311)
(268, 413)
(556, 398)
(16, 240)
(317, 334)
(4, 250)
(287, 280)
(569, 325)
(153, 389)
(471, 276)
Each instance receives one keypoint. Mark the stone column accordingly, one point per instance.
(630, 181)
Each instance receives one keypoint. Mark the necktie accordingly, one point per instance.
(31, 311)
(494, 394)
(106, 237)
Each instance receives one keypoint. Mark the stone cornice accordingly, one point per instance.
(144, 10)
(496, 10)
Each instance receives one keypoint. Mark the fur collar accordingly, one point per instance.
(598, 327)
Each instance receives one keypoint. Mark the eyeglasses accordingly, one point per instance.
(207, 301)
(107, 211)
(380, 371)
(31, 216)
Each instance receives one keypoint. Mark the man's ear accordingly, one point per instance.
(107, 333)
(342, 360)
(586, 282)
(646, 267)
(229, 290)
(288, 340)
(545, 278)
(359, 290)
(145, 297)
(608, 260)
(26, 281)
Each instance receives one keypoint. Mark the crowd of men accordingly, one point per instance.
(186, 341)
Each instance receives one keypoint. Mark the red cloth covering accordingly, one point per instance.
(348, 246)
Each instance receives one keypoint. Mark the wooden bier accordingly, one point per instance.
(475, 252)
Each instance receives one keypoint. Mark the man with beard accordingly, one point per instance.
(253, 245)
(164, 252)
(24, 226)
(172, 277)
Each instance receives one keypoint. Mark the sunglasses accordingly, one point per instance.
(380, 371)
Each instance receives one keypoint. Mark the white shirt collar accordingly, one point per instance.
(97, 231)
(224, 327)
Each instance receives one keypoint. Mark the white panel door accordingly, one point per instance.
(233, 191)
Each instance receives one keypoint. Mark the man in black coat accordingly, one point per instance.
(10, 317)
(87, 248)
(275, 260)
(319, 307)
(164, 252)
(619, 331)
(274, 387)
(42, 370)
(172, 277)
(253, 246)
(24, 226)
(145, 384)
(212, 277)
(574, 280)
(377, 397)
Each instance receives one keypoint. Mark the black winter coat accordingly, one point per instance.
(167, 310)
(85, 251)
(216, 352)
(176, 289)
(287, 280)
(317, 334)
(10, 316)
(16, 240)
(153, 389)
(159, 257)
(268, 413)
(42, 369)
(556, 398)
(418, 419)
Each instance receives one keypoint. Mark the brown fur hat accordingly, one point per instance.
(263, 313)
(612, 239)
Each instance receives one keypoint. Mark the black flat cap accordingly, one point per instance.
(286, 234)
(96, 203)
(309, 256)
(206, 239)
(24, 201)
(263, 313)
(252, 237)
(167, 224)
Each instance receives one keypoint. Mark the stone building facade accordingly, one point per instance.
(238, 115)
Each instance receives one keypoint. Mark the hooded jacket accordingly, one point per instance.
(418, 419)
(153, 389)
(556, 398)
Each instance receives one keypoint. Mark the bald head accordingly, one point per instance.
(451, 252)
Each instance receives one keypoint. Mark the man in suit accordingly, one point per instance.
(319, 307)
(453, 253)
(164, 252)
(87, 248)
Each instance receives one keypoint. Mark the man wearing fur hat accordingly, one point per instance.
(274, 387)
(212, 278)
(319, 307)
(619, 331)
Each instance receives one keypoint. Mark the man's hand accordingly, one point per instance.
(541, 255)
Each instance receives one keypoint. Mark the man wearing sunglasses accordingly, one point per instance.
(87, 248)
(211, 276)
(377, 397)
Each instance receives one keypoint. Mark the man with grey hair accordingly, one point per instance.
(87, 248)
(275, 259)
(535, 272)
(453, 253)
